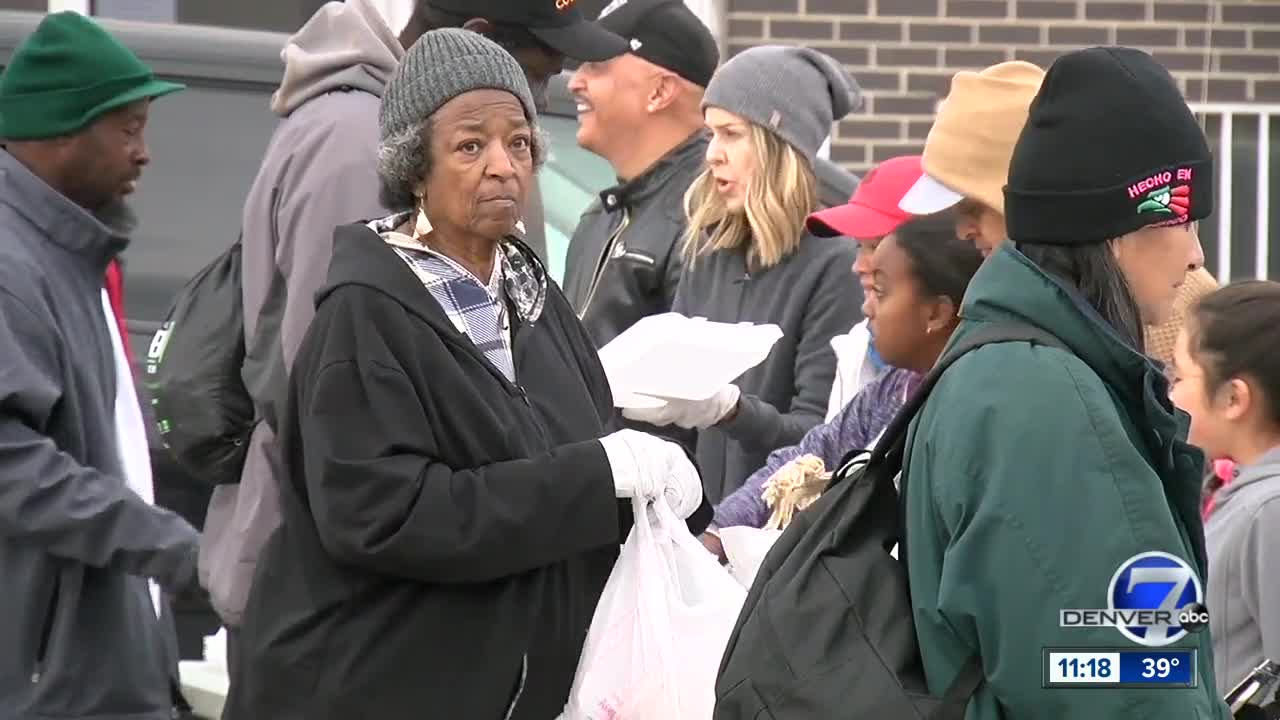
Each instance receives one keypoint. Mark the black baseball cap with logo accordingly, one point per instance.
(667, 34)
(558, 23)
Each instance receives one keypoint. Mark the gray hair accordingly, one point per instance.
(404, 161)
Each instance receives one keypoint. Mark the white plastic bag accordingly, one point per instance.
(745, 548)
(215, 648)
(661, 627)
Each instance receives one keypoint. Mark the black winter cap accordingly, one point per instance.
(559, 24)
(1110, 147)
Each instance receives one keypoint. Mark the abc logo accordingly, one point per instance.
(1194, 617)
(1164, 584)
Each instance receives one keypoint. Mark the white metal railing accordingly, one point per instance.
(1226, 113)
(80, 6)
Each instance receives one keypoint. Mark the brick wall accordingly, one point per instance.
(903, 52)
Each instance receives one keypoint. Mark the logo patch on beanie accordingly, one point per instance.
(1159, 194)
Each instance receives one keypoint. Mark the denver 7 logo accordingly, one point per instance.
(1159, 582)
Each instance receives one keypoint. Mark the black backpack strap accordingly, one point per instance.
(893, 440)
(989, 334)
(853, 460)
(956, 700)
(891, 450)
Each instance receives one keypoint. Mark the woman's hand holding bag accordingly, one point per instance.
(646, 467)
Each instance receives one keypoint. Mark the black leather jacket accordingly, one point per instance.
(624, 262)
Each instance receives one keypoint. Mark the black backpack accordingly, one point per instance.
(202, 408)
(826, 630)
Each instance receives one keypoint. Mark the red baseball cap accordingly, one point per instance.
(873, 210)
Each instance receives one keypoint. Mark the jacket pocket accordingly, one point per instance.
(742, 702)
(46, 631)
(520, 680)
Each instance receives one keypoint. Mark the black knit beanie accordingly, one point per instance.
(1110, 147)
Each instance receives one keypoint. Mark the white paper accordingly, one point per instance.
(205, 686)
(635, 401)
(670, 356)
(215, 648)
(745, 548)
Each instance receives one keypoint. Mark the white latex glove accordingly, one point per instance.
(689, 414)
(646, 466)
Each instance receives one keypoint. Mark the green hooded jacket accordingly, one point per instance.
(1033, 475)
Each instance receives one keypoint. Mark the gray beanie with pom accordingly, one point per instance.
(442, 65)
(797, 93)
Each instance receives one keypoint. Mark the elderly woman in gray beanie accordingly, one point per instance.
(452, 509)
(749, 259)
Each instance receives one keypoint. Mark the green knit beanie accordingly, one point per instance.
(68, 73)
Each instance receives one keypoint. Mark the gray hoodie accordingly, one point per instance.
(319, 171)
(1242, 537)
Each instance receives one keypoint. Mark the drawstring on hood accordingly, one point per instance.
(345, 44)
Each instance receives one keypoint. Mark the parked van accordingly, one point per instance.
(206, 144)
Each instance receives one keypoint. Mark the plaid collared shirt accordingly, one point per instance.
(477, 309)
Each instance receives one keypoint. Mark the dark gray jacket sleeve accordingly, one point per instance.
(49, 500)
(833, 307)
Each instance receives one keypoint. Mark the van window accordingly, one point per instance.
(206, 144)
(570, 180)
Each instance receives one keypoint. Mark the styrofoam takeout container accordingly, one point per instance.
(671, 356)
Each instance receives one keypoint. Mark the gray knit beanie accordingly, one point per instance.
(442, 65)
(795, 92)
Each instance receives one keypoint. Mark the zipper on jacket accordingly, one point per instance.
(524, 395)
(639, 257)
(458, 338)
(515, 700)
(605, 256)
(745, 282)
(46, 632)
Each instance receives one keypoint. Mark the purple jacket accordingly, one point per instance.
(854, 428)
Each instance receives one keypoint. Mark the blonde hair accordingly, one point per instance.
(780, 196)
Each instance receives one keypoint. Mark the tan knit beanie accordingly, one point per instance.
(1161, 338)
(968, 149)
